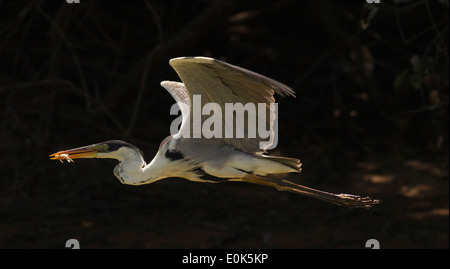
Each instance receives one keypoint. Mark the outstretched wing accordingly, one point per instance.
(221, 83)
(181, 96)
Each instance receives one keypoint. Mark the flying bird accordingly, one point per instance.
(216, 159)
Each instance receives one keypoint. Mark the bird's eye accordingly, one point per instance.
(102, 147)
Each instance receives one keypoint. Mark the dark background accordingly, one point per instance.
(370, 118)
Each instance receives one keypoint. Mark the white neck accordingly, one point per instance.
(132, 168)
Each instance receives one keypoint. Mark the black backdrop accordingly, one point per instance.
(370, 117)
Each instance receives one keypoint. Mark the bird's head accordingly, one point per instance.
(129, 156)
(112, 149)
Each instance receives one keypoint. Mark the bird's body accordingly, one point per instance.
(216, 159)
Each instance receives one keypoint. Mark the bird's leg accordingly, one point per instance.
(347, 200)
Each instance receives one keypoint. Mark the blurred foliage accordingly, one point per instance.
(371, 79)
(373, 75)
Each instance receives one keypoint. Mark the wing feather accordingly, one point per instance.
(220, 82)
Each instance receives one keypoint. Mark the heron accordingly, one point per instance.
(212, 160)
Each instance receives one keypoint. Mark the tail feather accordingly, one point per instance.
(290, 162)
(347, 200)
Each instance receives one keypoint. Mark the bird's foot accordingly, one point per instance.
(356, 201)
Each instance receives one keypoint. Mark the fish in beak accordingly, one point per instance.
(82, 152)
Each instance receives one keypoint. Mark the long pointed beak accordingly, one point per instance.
(82, 152)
